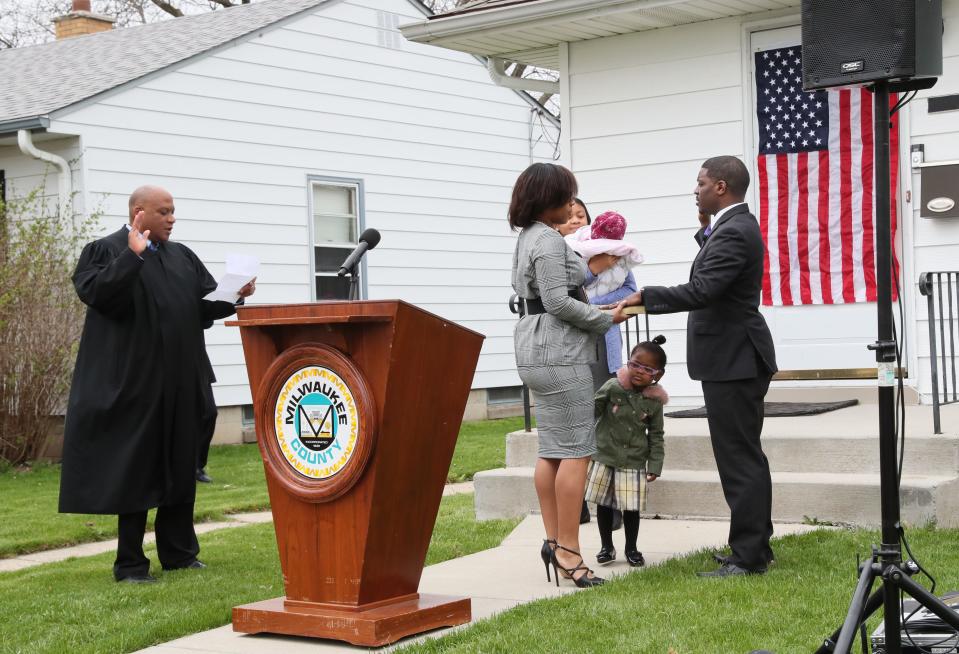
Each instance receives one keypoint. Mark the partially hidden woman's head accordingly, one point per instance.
(578, 218)
(543, 192)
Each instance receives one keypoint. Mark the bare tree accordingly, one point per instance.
(28, 22)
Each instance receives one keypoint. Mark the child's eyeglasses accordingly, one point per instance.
(638, 367)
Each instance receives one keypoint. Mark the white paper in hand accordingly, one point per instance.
(240, 269)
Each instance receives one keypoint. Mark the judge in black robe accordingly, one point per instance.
(137, 401)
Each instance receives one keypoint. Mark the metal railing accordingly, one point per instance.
(941, 289)
(630, 336)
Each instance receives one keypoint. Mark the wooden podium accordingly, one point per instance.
(357, 406)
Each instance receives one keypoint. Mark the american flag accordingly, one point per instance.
(816, 201)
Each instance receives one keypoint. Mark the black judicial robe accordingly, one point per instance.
(136, 402)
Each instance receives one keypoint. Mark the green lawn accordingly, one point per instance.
(75, 606)
(667, 609)
(481, 446)
(29, 521)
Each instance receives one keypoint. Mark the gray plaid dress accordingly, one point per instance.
(554, 350)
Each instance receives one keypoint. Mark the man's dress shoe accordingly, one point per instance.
(196, 564)
(201, 476)
(731, 570)
(722, 559)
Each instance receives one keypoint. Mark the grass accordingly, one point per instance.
(75, 606)
(29, 521)
(668, 610)
(481, 446)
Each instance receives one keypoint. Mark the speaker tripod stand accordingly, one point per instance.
(886, 563)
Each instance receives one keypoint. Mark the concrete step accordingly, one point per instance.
(805, 496)
(857, 454)
(812, 496)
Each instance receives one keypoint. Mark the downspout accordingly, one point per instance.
(65, 180)
(497, 72)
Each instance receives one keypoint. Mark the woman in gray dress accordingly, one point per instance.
(555, 344)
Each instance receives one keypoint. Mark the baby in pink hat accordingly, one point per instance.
(605, 236)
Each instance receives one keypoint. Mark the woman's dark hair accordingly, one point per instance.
(539, 188)
(589, 221)
(654, 347)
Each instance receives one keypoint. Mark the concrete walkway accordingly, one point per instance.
(496, 580)
(90, 549)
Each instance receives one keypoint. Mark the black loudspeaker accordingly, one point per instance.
(848, 42)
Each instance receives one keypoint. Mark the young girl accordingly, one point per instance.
(578, 217)
(629, 446)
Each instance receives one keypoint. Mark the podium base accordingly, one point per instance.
(380, 625)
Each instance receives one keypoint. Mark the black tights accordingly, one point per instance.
(604, 520)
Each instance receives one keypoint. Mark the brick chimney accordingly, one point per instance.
(80, 21)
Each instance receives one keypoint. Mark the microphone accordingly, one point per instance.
(368, 240)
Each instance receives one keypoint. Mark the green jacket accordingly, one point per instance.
(629, 429)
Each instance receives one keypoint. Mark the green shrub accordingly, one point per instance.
(40, 319)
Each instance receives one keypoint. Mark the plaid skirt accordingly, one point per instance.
(617, 488)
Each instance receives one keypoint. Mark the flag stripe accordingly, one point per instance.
(764, 227)
(868, 177)
(802, 225)
(782, 178)
(824, 234)
(845, 197)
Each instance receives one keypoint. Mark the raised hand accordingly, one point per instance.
(137, 240)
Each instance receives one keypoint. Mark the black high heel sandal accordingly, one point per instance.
(584, 580)
(546, 551)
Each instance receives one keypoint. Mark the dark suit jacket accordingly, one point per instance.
(726, 335)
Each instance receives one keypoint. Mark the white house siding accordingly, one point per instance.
(234, 135)
(25, 174)
(646, 109)
(936, 242)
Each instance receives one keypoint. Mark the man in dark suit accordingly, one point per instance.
(730, 350)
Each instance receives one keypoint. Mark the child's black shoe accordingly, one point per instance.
(606, 556)
(635, 558)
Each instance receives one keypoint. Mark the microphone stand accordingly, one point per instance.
(354, 284)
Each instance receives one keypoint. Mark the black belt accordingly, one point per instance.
(534, 305)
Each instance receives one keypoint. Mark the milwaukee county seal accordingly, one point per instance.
(316, 422)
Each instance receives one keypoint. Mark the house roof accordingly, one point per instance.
(530, 31)
(41, 79)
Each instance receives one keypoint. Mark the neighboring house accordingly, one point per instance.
(284, 128)
(649, 89)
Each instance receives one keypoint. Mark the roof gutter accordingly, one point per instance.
(65, 179)
(15, 125)
(513, 15)
(497, 72)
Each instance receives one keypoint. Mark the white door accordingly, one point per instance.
(810, 337)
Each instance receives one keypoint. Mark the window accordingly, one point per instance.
(504, 395)
(247, 419)
(334, 228)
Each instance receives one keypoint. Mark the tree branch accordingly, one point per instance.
(167, 7)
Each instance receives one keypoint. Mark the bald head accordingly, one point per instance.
(154, 206)
(144, 194)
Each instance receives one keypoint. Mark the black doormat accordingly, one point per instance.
(777, 409)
